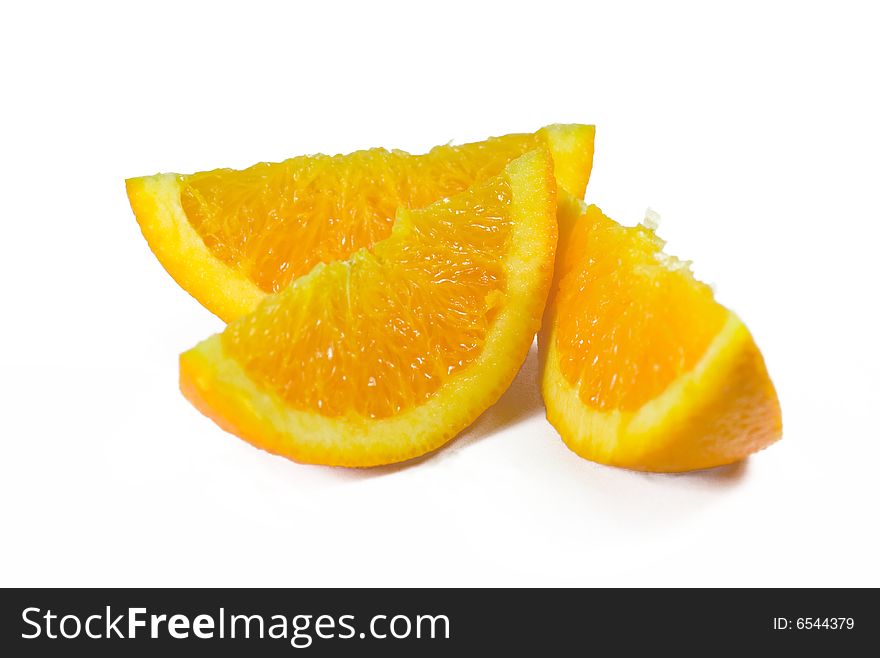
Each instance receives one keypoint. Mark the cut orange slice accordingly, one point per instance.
(641, 367)
(230, 237)
(389, 354)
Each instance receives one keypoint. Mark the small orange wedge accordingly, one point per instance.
(230, 237)
(389, 354)
(641, 367)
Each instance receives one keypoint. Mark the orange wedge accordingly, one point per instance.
(230, 237)
(387, 355)
(641, 367)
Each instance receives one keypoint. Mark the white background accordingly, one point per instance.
(752, 130)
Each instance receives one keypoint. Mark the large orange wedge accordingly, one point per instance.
(230, 237)
(641, 367)
(389, 354)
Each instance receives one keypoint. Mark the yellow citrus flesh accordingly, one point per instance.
(229, 237)
(387, 355)
(641, 367)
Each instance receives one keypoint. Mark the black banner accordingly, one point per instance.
(115, 622)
